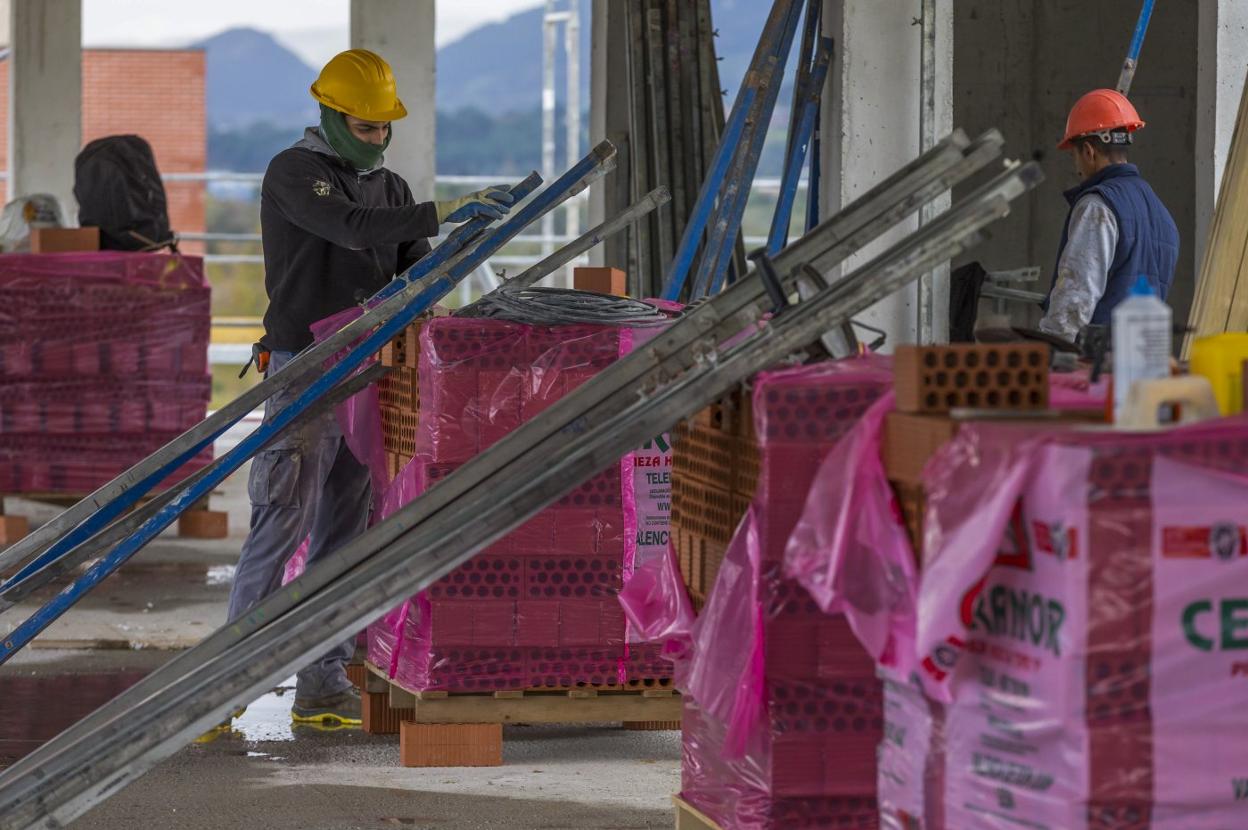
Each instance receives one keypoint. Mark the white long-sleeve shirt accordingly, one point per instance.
(1083, 269)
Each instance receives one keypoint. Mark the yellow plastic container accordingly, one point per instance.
(1220, 358)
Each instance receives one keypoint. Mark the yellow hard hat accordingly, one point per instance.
(359, 83)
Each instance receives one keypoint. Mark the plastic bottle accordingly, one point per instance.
(1142, 331)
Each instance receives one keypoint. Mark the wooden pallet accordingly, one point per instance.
(589, 704)
(689, 817)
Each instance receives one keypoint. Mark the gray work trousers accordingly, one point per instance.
(308, 483)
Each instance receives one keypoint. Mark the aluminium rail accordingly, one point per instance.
(19, 588)
(863, 220)
(160, 515)
(549, 455)
(400, 303)
(93, 512)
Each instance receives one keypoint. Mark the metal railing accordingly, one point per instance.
(761, 185)
(236, 353)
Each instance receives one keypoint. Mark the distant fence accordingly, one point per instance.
(232, 336)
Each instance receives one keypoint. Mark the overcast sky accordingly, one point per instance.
(314, 29)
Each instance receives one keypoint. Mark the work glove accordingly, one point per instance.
(492, 203)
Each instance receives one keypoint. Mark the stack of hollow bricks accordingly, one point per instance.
(714, 475)
(537, 610)
(932, 381)
(812, 761)
(399, 399)
(398, 393)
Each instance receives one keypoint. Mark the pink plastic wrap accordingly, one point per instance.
(1075, 390)
(783, 708)
(1103, 635)
(656, 603)
(851, 551)
(103, 360)
(360, 415)
(540, 607)
(1078, 632)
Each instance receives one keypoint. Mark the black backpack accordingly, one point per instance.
(119, 190)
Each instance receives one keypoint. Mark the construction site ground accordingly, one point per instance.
(266, 772)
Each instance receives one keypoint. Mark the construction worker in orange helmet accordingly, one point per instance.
(1117, 229)
(336, 226)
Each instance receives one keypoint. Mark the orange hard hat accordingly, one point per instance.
(360, 83)
(1100, 111)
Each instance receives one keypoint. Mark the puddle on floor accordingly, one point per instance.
(36, 709)
(268, 719)
(219, 575)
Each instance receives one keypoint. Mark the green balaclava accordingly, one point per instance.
(359, 154)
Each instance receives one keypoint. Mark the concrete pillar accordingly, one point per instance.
(608, 119)
(871, 123)
(1221, 65)
(45, 98)
(402, 32)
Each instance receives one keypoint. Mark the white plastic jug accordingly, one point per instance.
(1142, 331)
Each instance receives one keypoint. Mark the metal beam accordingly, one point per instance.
(585, 431)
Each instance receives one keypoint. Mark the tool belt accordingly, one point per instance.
(260, 357)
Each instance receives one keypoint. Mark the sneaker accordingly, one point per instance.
(343, 708)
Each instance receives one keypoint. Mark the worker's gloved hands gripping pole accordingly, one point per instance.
(492, 203)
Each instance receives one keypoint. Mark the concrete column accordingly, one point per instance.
(871, 122)
(1221, 65)
(45, 98)
(402, 32)
(608, 119)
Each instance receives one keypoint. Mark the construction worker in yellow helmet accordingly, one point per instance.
(336, 226)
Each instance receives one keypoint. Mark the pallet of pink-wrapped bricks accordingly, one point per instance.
(538, 611)
(103, 360)
(783, 711)
(1073, 655)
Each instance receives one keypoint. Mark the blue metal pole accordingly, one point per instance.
(674, 283)
(567, 184)
(805, 65)
(723, 237)
(805, 110)
(107, 512)
(812, 181)
(725, 154)
(801, 80)
(1133, 52)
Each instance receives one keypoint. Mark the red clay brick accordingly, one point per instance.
(652, 725)
(451, 744)
(379, 718)
(204, 524)
(13, 529)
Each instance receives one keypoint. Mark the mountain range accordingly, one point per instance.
(495, 68)
(488, 91)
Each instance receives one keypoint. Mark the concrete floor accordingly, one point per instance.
(265, 773)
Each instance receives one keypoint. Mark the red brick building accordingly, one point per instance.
(156, 93)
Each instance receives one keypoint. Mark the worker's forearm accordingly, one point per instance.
(356, 227)
(1070, 308)
(1083, 269)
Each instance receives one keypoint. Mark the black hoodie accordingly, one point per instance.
(333, 236)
